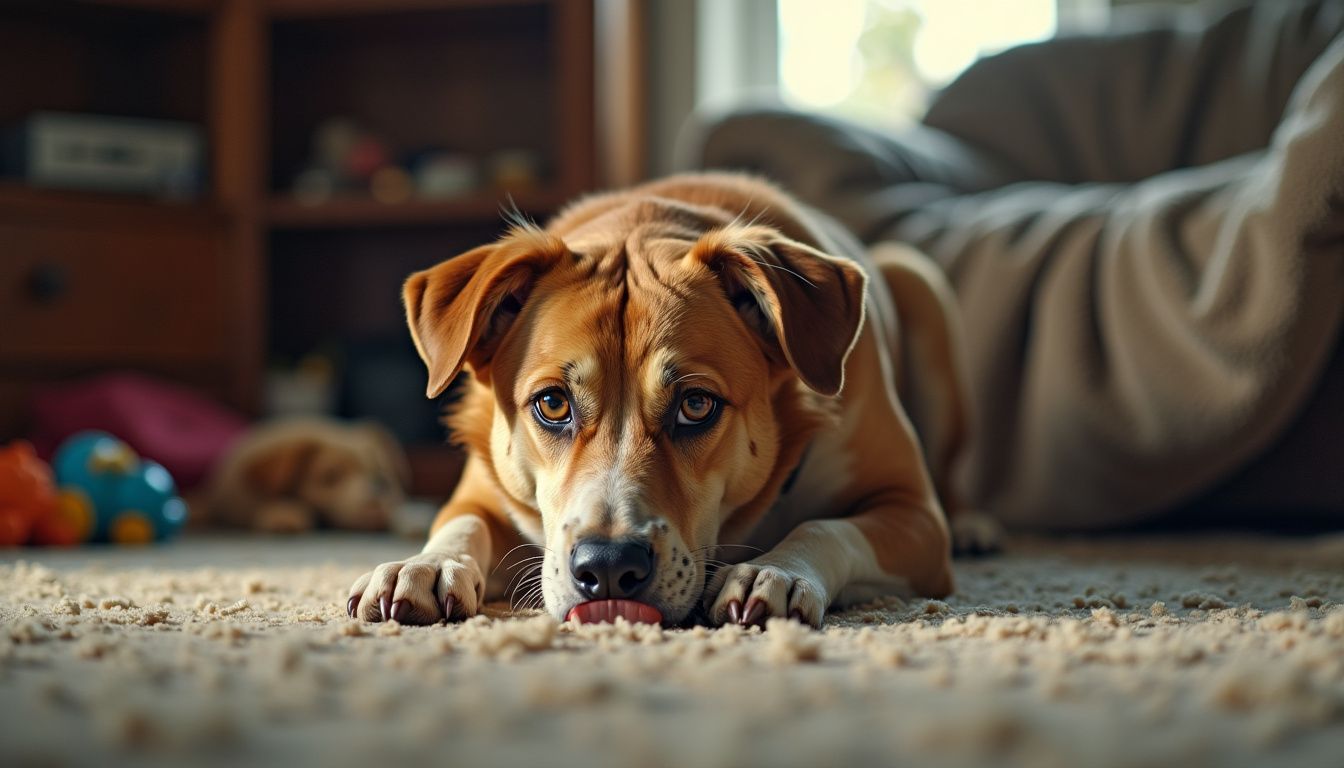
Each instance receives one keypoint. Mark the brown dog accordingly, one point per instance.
(293, 475)
(675, 376)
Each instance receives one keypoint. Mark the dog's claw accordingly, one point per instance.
(755, 613)
(734, 612)
(350, 605)
(385, 607)
(449, 602)
(396, 608)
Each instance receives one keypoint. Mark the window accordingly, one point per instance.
(878, 60)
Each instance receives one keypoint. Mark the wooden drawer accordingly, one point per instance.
(110, 294)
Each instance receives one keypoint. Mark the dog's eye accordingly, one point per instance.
(552, 408)
(696, 408)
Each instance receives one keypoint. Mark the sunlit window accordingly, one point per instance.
(877, 60)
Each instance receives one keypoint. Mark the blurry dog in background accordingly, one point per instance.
(294, 475)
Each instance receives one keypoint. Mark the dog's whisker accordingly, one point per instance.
(523, 600)
(515, 549)
(738, 546)
(783, 268)
(524, 579)
(713, 547)
(521, 577)
(538, 601)
(528, 601)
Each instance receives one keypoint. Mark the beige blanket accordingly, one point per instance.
(1146, 234)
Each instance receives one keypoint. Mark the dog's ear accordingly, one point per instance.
(459, 310)
(806, 303)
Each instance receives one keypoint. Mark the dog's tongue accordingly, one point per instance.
(598, 611)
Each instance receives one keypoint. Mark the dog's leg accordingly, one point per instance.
(447, 580)
(890, 545)
(931, 380)
(893, 536)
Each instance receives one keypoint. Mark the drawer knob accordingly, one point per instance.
(48, 283)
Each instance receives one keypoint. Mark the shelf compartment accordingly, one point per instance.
(473, 81)
(120, 58)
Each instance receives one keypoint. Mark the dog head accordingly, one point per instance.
(637, 385)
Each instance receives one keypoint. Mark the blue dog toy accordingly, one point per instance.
(131, 500)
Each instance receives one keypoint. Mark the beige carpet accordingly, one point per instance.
(1208, 651)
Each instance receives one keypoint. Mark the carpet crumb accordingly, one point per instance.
(509, 639)
(94, 647)
(1296, 603)
(228, 633)
(152, 617)
(1202, 601)
(235, 607)
(351, 628)
(1105, 617)
(29, 631)
(67, 606)
(888, 656)
(936, 607)
(790, 642)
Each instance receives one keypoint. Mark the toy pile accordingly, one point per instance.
(347, 159)
(97, 489)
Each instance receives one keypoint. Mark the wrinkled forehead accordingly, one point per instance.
(639, 324)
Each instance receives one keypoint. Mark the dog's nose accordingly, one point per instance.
(604, 569)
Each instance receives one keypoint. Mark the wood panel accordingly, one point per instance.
(110, 295)
(572, 100)
(237, 118)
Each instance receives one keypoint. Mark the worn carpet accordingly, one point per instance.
(1118, 652)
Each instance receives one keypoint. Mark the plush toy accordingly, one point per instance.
(31, 511)
(129, 499)
(296, 474)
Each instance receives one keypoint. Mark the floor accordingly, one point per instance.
(1215, 650)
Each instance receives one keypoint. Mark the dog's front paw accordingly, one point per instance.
(419, 590)
(752, 592)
